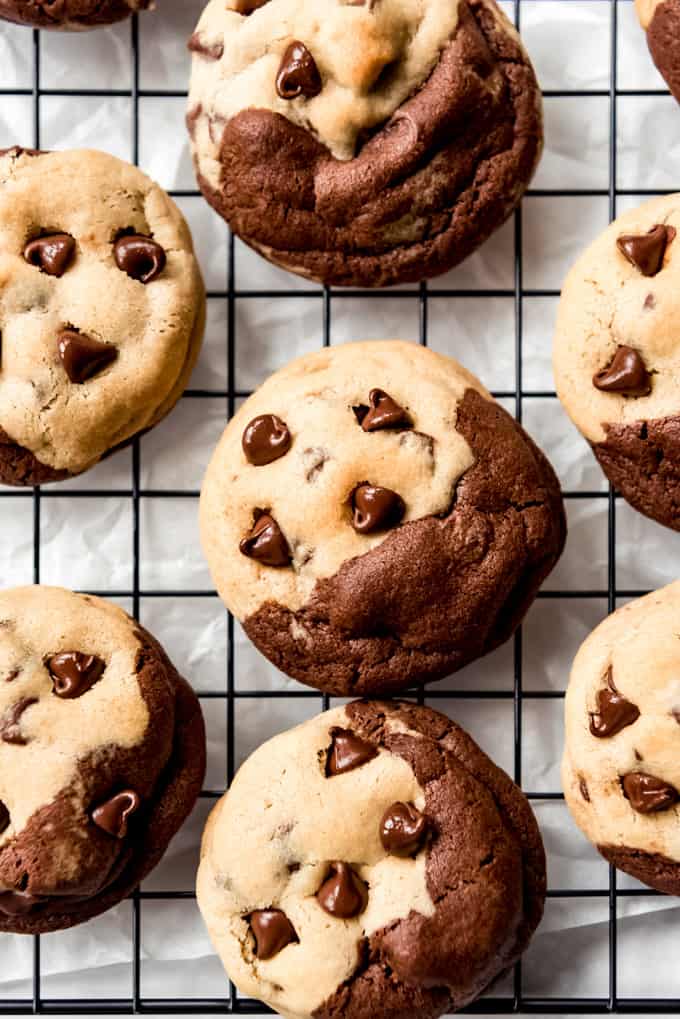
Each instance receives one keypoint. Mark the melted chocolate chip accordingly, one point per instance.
(272, 931)
(583, 786)
(298, 74)
(403, 830)
(52, 253)
(18, 903)
(384, 412)
(4, 818)
(12, 675)
(343, 894)
(83, 357)
(247, 7)
(113, 815)
(646, 251)
(266, 543)
(10, 723)
(375, 509)
(650, 302)
(140, 257)
(614, 712)
(626, 374)
(74, 673)
(265, 439)
(347, 752)
(648, 794)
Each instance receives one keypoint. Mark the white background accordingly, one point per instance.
(87, 543)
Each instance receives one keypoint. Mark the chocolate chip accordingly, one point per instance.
(375, 509)
(347, 752)
(52, 253)
(266, 543)
(650, 302)
(583, 786)
(18, 903)
(247, 7)
(211, 51)
(12, 675)
(265, 439)
(113, 815)
(298, 74)
(74, 673)
(272, 931)
(648, 794)
(384, 412)
(83, 357)
(140, 257)
(4, 818)
(613, 713)
(403, 829)
(646, 251)
(626, 373)
(343, 894)
(10, 723)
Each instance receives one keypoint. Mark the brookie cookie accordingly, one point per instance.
(621, 769)
(102, 310)
(73, 15)
(617, 355)
(375, 519)
(362, 143)
(661, 21)
(102, 756)
(370, 862)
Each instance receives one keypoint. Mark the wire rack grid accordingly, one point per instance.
(517, 999)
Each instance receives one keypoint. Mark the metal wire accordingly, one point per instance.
(231, 1003)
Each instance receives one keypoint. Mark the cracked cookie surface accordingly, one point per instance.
(362, 144)
(72, 15)
(102, 745)
(102, 310)
(620, 770)
(374, 518)
(617, 356)
(433, 856)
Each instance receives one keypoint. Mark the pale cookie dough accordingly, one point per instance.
(362, 143)
(661, 22)
(617, 355)
(72, 15)
(101, 745)
(370, 862)
(102, 310)
(374, 518)
(621, 769)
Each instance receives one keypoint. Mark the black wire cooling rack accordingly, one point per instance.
(231, 1003)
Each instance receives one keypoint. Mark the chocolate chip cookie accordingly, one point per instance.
(617, 355)
(370, 862)
(375, 519)
(70, 14)
(102, 756)
(102, 310)
(362, 143)
(661, 22)
(621, 772)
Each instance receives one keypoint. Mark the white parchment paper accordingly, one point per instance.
(87, 543)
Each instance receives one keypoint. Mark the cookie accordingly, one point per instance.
(621, 772)
(362, 143)
(102, 746)
(661, 22)
(74, 15)
(102, 310)
(371, 862)
(617, 358)
(374, 518)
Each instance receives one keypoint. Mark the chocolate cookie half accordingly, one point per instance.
(102, 746)
(620, 771)
(82, 375)
(379, 864)
(617, 355)
(661, 21)
(375, 519)
(70, 14)
(362, 144)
